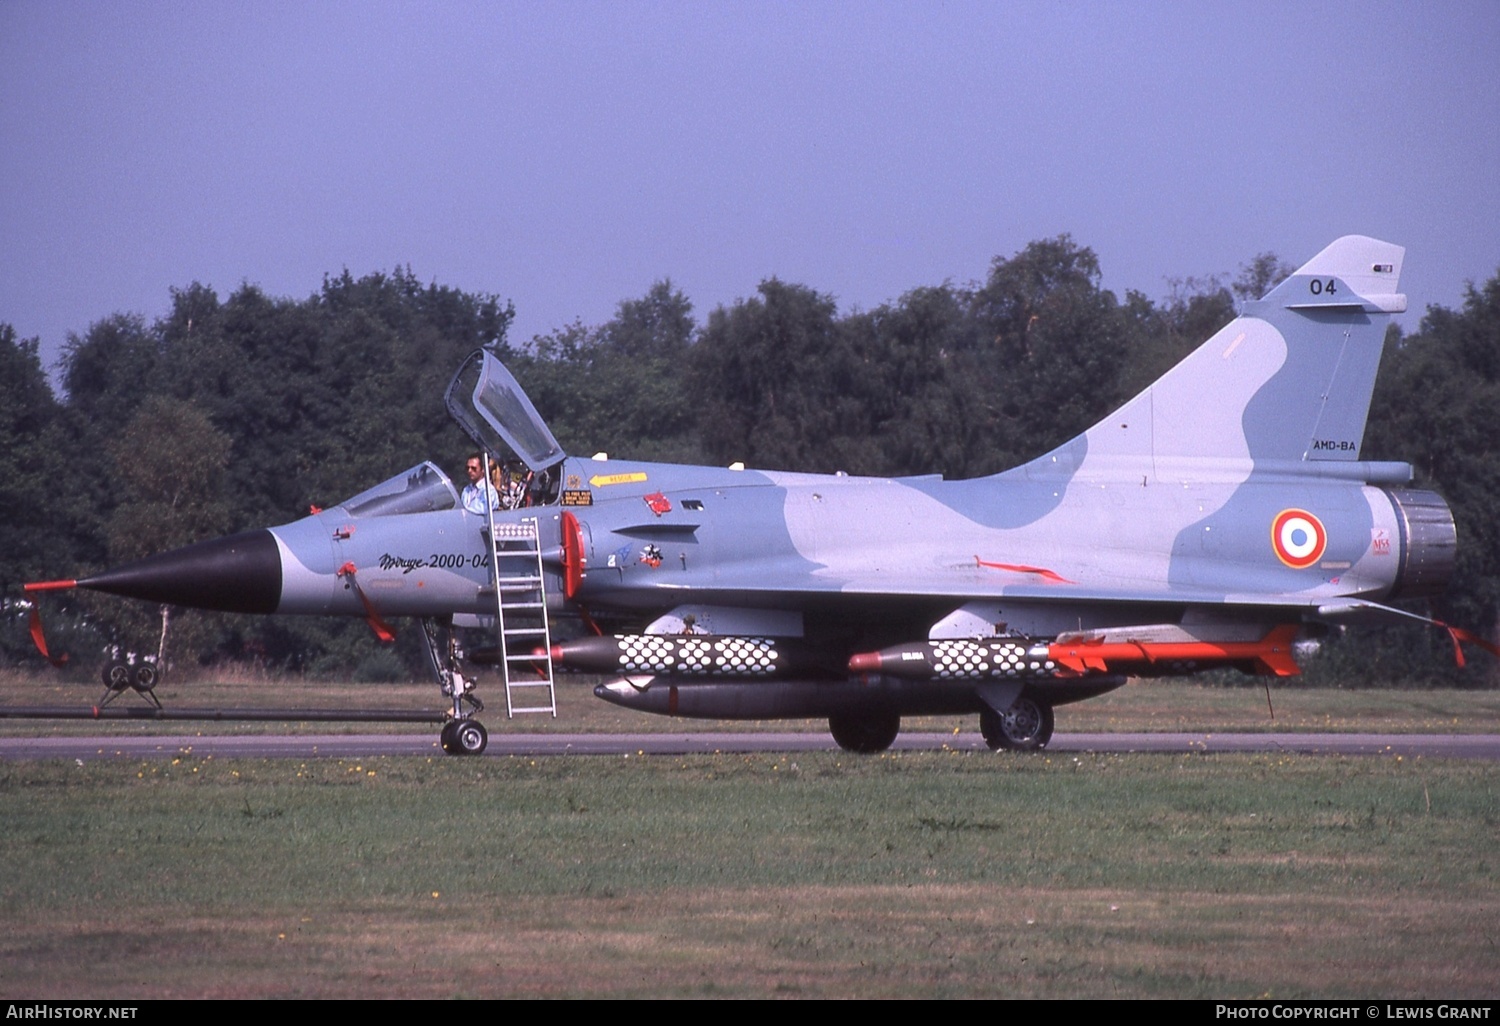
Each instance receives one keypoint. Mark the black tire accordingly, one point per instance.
(449, 738)
(471, 737)
(1025, 727)
(865, 733)
(117, 675)
(145, 677)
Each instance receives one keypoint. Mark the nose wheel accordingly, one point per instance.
(464, 737)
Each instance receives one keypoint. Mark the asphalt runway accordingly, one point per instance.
(364, 746)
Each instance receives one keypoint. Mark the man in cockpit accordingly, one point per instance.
(479, 495)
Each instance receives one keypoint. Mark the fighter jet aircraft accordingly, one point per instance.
(1217, 519)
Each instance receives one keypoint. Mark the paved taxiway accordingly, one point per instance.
(344, 746)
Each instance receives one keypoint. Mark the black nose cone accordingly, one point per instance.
(237, 574)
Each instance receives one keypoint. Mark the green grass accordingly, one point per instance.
(820, 874)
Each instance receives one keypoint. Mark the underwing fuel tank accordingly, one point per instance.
(797, 699)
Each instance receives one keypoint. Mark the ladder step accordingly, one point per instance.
(531, 683)
(538, 709)
(517, 632)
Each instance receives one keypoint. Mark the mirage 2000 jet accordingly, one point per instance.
(1216, 519)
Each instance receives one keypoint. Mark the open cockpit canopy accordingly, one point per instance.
(491, 407)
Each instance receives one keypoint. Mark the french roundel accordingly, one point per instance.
(1298, 538)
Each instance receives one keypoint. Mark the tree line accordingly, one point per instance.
(233, 413)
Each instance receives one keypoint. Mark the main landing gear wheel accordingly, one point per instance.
(1025, 727)
(464, 737)
(864, 734)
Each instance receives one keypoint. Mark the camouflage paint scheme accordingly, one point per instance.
(1224, 502)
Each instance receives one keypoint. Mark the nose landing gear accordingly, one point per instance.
(462, 735)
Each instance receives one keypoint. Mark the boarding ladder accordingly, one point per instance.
(521, 618)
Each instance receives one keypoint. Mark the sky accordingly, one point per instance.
(565, 156)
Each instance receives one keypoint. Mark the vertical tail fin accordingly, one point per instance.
(1289, 380)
